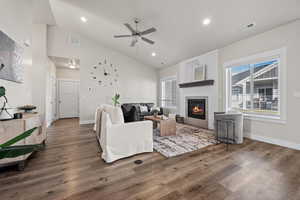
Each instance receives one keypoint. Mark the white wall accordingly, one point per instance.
(137, 82)
(284, 36)
(65, 73)
(50, 93)
(15, 21)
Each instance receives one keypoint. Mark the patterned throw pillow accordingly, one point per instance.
(144, 108)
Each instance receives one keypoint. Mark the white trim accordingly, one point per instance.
(264, 118)
(279, 142)
(82, 122)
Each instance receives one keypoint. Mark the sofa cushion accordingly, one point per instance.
(115, 114)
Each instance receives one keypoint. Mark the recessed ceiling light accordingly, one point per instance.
(153, 54)
(206, 21)
(83, 19)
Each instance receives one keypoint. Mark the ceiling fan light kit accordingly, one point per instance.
(136, 34)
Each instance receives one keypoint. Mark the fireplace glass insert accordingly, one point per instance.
(197, 108)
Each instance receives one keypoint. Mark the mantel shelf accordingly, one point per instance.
(196, 84)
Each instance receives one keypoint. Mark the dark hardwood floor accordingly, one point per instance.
(70, 168)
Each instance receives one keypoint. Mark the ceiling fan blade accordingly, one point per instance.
(148, 41)
(133, 42)
(148, 31)
(121, 36)
(130, 28)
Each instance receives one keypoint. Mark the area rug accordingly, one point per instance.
(187, 139)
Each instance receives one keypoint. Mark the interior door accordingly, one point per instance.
(68, 99)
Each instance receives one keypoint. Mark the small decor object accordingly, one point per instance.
(18, 116)
(27, 108)
(105, 73)
(115, 99)
(155, 111)
(5, 112)
(179, 119)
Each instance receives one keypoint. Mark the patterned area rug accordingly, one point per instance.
(187, 139)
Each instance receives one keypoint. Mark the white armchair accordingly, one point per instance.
(118, 139)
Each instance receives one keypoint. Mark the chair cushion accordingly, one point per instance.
(115, 114)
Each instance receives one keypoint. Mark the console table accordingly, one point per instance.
(12, 128)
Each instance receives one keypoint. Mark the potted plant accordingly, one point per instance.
(115, 99)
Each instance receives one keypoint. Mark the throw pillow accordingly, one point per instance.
(144, 108)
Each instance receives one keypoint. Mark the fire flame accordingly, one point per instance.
(197, 109)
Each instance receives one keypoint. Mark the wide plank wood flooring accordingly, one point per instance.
(71, 168)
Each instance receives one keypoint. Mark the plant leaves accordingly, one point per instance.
(18, 138)
(2, 91)
(15, 151)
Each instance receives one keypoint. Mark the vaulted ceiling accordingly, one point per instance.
(180, 33)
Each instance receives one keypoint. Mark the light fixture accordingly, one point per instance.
(72, 66)
(206, 21)
(83, 19)
(153, 54)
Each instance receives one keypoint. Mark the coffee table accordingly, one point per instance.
(167, 126)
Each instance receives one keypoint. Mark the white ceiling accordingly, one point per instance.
(61, 62)
(180, 34)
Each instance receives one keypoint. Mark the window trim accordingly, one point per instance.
(278, 53)
(160, 90)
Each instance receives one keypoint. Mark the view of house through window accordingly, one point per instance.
(254, 88)
(168, 92)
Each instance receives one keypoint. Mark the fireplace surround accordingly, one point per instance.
(196, 111)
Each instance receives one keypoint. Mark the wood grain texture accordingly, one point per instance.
(71, 168)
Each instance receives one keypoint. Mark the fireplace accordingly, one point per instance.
(197, 108)
(197, 111)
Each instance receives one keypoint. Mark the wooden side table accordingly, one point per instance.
(167, 126)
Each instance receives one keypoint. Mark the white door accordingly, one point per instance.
(68, 99)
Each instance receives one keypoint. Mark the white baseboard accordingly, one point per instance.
(279, 142)
(86, 122)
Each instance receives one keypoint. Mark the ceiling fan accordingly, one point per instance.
(136, 34)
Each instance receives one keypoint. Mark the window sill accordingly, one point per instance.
(264, 118)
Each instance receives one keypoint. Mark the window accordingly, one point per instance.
(168, 92)
(253, 86)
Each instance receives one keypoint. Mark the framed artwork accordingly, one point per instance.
(199, 72)
(11, 55)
